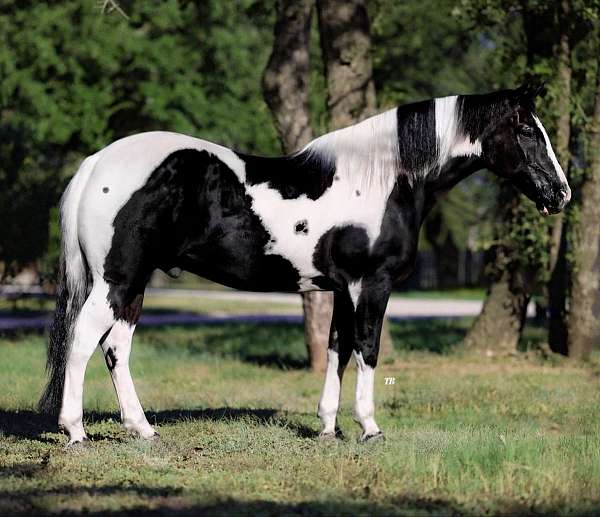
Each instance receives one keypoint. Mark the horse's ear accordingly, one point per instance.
(532, 88)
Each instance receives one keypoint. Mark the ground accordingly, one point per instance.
(236, 410)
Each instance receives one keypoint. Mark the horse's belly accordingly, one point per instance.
(242, 260)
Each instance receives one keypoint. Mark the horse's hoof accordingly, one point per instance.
(372, 437)
(136, 435)
(327, 437)
(78, 444)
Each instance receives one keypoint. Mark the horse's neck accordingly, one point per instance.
(452, 172)
(458, 148)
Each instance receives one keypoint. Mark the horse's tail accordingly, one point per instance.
(71, 291)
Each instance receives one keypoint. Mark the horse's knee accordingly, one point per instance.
(369, 355)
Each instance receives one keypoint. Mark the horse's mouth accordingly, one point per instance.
(547, 210)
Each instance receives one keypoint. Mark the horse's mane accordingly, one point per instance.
(366, 153)
(414, 140)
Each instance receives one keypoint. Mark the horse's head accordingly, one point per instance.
(517, 147)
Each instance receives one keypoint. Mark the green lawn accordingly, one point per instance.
(236, 412)
(464, 293)
(197, 305)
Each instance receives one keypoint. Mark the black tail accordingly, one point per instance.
(59, 343)
(70, 296)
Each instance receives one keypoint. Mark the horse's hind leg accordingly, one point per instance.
(116, 348)
(94, 321)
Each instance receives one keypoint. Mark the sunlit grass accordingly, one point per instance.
(238, 432)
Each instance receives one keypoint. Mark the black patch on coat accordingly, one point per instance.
(292, 176)
(104, 336)
(342, 253)
(193, 213)
(111, 359)
(416, 135)
(301, 227)
(105, 190)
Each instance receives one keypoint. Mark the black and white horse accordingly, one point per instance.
(343, 215)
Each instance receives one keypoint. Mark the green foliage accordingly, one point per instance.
(75, 79)
(536, 25)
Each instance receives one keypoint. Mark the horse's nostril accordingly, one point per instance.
(565, 195)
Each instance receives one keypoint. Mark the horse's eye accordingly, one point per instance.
(525, 130)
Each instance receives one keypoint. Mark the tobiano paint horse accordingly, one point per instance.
(342, 215)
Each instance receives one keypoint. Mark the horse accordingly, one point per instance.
(343, 214)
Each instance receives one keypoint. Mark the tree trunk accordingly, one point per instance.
(584, 311)
(286, 77)
(346, 44)
(286, 91)
(505, 306)
(351, 97)
(558, 285)
(497, 329)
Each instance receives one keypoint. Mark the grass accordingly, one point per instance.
(217, 307)
(236, 413)
(157, 303)
(459, 293)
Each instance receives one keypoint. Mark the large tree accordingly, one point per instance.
(557, 286)
(528, 250)
(584, 310)
(345, 36)
(286, 90)
(498, 327)
(345, 43)
(514, 254)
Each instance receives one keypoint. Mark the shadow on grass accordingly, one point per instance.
(175, 501)
(278, 345)
(32, 425)
(167, 501)
(438, 335)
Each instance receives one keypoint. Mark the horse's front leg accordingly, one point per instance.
(341, 338)
(370, 297)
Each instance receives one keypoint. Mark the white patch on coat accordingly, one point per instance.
(337, 207)
(451, 141)
(364, 408)
(354, 289)
(330, 397)
(559, 170)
